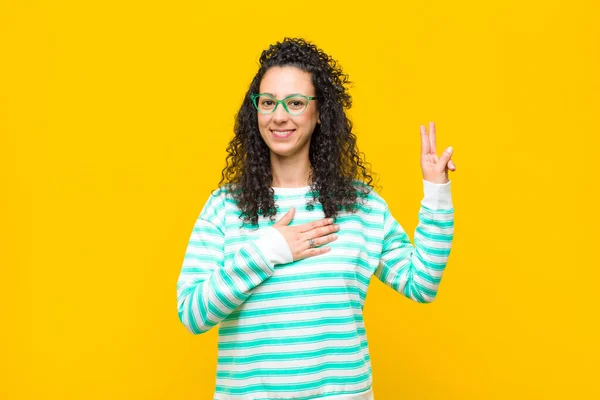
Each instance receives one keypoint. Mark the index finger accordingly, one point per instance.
(432, 138)
(315, 224)
(424, 141)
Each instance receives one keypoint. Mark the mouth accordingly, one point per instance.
(282, 134)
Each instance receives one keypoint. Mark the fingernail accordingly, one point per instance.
(450, 149)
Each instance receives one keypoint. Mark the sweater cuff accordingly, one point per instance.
(274, 247)
(437, 196)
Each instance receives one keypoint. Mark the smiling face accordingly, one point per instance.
(288, 135)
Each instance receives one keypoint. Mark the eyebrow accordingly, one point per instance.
(291, 94)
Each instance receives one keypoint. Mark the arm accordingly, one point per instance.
(207, 290)
(417, 271)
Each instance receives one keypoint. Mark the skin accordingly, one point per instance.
(290, 162)
(290, 165)
(435, 169)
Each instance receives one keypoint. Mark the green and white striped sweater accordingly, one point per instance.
(294, 329)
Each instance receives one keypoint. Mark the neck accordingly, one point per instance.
(289, 172)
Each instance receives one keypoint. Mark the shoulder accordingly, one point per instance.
(368, 195)
(221, 194)
(215, 203)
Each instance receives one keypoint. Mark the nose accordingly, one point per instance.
(280, 115)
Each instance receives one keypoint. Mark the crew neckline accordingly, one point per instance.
(290, 190)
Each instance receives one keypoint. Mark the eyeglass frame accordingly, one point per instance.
(254, 96)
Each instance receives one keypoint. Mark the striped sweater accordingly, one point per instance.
(294, 329)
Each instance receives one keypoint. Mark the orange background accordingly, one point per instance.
(114, 119)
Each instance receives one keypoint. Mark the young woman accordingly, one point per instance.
(282, 252)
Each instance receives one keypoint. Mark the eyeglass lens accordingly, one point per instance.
(295, 105)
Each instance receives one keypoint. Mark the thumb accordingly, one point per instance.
(287, 217)
(445, 157)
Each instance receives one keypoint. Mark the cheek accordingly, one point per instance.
(262, 120)
(263, 123)
(308, 123)
(309, 118)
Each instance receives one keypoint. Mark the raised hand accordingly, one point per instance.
(297, 237)
(435, 170)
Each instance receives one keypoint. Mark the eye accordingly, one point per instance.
(296, 104)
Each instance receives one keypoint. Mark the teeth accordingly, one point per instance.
(283, 133)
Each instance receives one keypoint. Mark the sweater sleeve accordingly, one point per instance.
(207, 289)
(416, 270)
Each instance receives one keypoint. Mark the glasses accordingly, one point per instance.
(294, 104)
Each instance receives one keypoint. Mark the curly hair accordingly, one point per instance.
(340, 177)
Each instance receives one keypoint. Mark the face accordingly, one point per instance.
(295, 132)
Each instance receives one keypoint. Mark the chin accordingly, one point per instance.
(285, 148)
(283, 151)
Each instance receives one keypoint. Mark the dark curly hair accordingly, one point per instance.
(340, 176)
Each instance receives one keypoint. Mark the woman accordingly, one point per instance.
(288, 284)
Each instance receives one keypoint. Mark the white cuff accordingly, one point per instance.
(274, 247)
(437, 196)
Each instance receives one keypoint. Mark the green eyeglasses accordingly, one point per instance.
(294, 104)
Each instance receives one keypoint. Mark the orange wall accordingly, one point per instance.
(114, 119)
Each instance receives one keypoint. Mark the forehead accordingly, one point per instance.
(282, 81)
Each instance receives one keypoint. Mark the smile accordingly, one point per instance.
(283, 134)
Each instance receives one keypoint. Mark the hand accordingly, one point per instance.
(435, 170)
(297, 236)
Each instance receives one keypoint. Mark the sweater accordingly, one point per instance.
(294, 329)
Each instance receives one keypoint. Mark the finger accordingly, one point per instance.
(322, 231)
(320, 241)
(445, 157)
(287, 217)
(314, 252)
(432, 148)
(451, 165)
(309, 226)
(424, 141)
